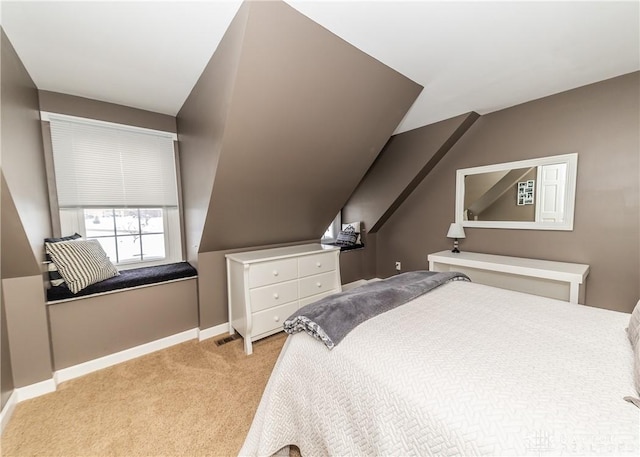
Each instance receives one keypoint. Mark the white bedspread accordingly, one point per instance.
(466, 369)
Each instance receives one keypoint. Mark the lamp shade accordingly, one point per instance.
(455, 231)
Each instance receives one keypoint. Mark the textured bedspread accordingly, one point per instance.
(330, 319)
(463, 370)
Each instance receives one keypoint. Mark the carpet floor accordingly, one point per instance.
(193, 399)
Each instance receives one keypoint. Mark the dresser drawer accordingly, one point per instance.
(262, 274)
(312, 285)
(273, 295)
(317, 263)
(272, 318)
(315, 298)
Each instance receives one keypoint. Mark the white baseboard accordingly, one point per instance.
(7, 411)
(21, 394)
(82, 369)
(35, 390)
(213, 331)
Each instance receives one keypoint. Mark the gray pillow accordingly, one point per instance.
(355, 226)
(81, 263)
(346, 238)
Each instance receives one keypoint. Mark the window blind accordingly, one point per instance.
(104, 165)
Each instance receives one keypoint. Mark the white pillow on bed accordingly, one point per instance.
(634, 325)
(636, 367)
(634, 336)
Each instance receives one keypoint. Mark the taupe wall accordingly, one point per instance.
(27, 330)
(25, 223)
(276, 134)
(201, 126)
(83, 330)
(309, 114)
(359, 263)
(94, 109)
(6, 370)
(399, 168)
(405, 160)
(22, 159)
(601, 123)
(13, 238)
(25, 335)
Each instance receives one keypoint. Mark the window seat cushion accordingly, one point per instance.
(346, 248)
(127, 279)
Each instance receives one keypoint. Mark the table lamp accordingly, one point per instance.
(455, 231)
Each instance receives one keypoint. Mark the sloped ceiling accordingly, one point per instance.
(478, 56)
(307, 116)
(143, 54)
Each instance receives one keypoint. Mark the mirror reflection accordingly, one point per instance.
(531, 194)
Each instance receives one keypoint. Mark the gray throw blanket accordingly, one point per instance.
(331, 318)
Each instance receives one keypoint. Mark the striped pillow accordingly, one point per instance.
(54, 276)
(81, 263)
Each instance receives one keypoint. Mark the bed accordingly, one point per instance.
(465, 369)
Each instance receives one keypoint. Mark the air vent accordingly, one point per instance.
(227, 339)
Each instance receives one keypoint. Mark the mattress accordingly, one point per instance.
(466, 369)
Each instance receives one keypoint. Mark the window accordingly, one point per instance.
(118, 185)
(331, 234)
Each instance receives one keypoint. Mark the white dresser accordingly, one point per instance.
(267, 286)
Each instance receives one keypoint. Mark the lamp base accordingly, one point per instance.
(455, 249)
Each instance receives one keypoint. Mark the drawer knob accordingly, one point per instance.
(276, 318)
(318, 264)
(276, 296)
(275, 272)
(319, 284)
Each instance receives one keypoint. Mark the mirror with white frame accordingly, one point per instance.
(535, 194)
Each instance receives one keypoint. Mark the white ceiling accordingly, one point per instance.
(469, 56)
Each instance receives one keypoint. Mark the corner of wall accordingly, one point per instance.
(27, 330)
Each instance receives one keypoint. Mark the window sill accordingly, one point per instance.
(346, 248)
(128, 279)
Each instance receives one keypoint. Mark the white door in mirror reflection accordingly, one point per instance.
(552, 183)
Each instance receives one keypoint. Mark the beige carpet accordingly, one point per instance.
(193, 399)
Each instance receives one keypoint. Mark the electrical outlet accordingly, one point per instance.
(398, 266)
